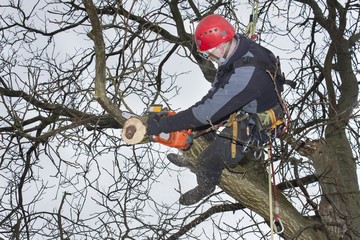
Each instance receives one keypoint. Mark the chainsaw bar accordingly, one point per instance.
(127, 115)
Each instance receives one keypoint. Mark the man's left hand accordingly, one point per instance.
(153, 126)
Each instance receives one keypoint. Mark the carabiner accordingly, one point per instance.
(258, 151)
(279, 227)
(257, 154)
(247, 145)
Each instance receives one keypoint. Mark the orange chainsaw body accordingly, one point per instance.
(179, 139)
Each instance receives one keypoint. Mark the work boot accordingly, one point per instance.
(180, 161)
(195, 195)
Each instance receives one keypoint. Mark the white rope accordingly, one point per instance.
(271, 213)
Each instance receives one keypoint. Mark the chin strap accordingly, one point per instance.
(227, 49)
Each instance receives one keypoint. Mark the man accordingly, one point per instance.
(240, 90)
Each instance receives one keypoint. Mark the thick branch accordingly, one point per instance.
(211, 211)
(97, 36)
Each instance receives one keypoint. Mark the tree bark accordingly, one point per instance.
(340, 205)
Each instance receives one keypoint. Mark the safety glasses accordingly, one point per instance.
(206, 54)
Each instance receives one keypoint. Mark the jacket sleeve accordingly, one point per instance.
(222, 100)
(182, 120)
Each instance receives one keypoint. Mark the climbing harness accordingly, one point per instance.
(274, 117)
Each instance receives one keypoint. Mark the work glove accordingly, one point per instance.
(153, 125)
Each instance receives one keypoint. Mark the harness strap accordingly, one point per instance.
(233, 121)
(252, 61)
(234, 137)
(274, 68)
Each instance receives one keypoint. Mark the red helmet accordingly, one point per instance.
(213, 30)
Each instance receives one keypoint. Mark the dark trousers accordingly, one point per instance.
(218, 155)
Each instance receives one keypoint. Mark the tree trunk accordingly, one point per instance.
(334, 162)
(340, 202)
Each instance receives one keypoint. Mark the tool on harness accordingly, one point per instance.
(271, 119)
(265, 124)
(250, 29)
(180, 139)
(251, 142)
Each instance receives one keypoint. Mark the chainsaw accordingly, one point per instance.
(180, 139)
(135, 130)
